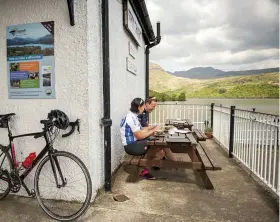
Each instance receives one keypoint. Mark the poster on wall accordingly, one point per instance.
(30, 60)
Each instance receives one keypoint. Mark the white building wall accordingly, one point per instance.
(124, 85)
(77, 80)
(95, 92)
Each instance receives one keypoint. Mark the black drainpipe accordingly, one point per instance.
(156, 42)
(106, 121)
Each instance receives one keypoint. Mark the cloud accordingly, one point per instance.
(225, 34)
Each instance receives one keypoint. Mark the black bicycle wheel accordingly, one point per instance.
(5, 183)
(73, 203)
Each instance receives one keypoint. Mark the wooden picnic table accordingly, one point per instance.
(199, 154)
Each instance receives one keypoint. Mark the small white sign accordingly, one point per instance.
(132, 50)
(132, 24)
(130, 66)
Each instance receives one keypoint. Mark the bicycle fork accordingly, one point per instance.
(56, 167)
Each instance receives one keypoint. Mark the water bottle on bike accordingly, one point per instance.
(28, 160)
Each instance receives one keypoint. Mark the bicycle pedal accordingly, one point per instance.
(33, 194)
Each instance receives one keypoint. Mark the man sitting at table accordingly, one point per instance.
(134, 137)
(150, 105)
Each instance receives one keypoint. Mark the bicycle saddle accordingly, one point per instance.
(4, 116)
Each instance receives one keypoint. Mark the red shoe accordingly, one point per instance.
(146, 175)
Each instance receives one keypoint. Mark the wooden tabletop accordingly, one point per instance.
(173, 139)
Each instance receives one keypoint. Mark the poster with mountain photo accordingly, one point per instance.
(30, 60)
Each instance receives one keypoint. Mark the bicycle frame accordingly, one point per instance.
(47, 148)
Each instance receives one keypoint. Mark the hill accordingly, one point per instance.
(199, 73)
(47, 39)
(162, 81)
(210, 72)
(247, 86)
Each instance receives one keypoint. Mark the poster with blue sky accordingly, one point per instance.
(30, 60)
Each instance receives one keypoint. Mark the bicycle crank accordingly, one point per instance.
(16, 182)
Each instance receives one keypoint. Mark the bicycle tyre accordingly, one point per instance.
(88, 181)
(7, 191)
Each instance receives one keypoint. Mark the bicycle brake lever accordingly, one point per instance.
(78, 125)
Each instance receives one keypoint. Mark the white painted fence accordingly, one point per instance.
(256, 145)
(221, 125)
(196, 113)
(255, 141)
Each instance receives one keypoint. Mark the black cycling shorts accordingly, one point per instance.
(136, 148)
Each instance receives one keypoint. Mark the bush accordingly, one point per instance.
(169, 96)
(222, 90)
(181, 96)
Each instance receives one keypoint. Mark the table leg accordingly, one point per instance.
(202, 173)
(205, 179)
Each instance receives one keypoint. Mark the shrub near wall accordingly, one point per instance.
(169, 96)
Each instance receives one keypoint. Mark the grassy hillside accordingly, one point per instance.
(250, 86)
(162, 81)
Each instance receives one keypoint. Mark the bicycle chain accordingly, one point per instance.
(16, 182)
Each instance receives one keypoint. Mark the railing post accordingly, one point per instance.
(231, 131)
(212, 115)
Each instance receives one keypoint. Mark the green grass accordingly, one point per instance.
(241, 91)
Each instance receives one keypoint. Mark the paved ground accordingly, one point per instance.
(177, 196)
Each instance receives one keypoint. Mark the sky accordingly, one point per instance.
(224, 34)
(31, 30)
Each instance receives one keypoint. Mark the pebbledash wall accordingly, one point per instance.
(78, 79)
(124, 85)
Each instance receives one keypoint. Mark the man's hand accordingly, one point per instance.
(149, 127)
(156, 128)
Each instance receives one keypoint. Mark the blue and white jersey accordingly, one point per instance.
(129, 125)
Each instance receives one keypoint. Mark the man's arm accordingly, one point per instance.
(144, 133)
(149, 127)
(137, 131)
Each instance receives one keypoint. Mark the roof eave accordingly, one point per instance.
(141, 8)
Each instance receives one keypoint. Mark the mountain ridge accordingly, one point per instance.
(211, 73)
(47, 39)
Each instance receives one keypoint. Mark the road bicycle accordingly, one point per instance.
(57, 172)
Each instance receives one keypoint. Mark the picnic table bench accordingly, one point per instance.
(199, 135)
(205, 156)
(201, 159)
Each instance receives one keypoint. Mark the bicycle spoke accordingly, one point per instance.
(74, 181)
(66, 167)
(5, 184)
(48, 178)
(2, 160)
(5, 160)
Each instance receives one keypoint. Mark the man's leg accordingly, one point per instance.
(169, 154)
(155, 154)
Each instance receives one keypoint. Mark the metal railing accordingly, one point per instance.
(256, 145)
(250, 137)
(196, 113)
(221, 124)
